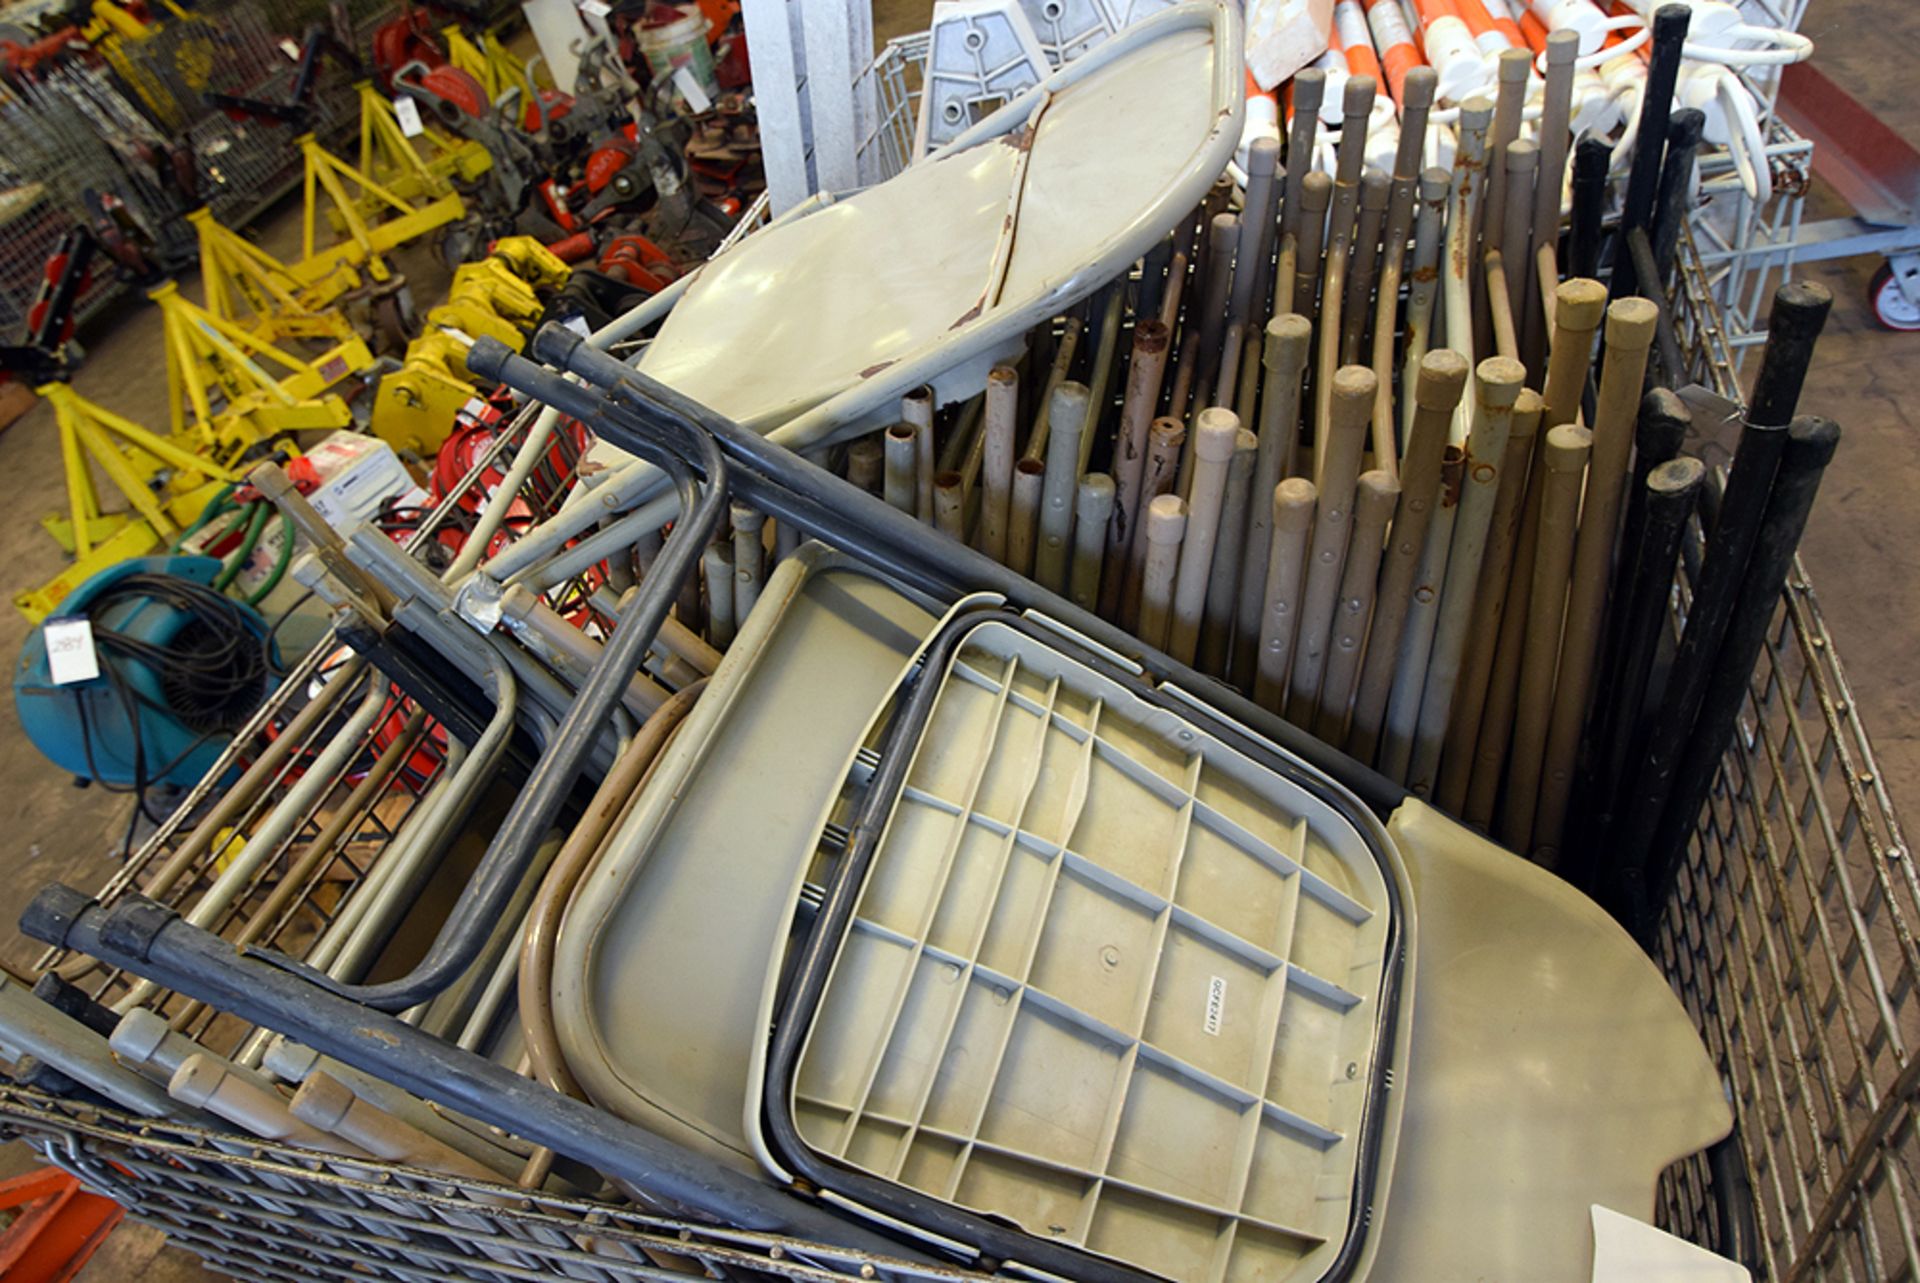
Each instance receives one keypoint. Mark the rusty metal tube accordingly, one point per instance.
(1023, 525)
(949, 506)
(1067, 421)
(866, 462)
(1092, 510)
(1489, 605)
(1375, 496)
(902, 463)
(1350, 414)
(1442, 377)
(1497, 383)
(1416, 636)
(1229, 556)
(1292, 523)
(1215, 432)
(996, 476)
(1565, 459)
(1144, 376)
(1430, 217)
(1288, 346)
(1165, 527)
(1165, 436)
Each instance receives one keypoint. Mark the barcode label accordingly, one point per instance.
(1216, 1005)
(70, 654)
(407, 112)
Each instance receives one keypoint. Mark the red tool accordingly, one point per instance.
(56, 1226)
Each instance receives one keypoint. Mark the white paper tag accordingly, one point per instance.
(595, 8)
(1216, 1005)
(689, 86)
(290, 49)
(407, 111)
(70, 653)
(578, 324)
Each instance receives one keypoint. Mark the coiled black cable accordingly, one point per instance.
(213, 672)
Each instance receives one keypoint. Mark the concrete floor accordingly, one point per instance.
(1863, 549)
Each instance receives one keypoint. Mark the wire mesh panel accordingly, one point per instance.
(1789, 937)
(257, 1210)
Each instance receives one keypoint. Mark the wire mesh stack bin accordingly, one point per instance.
(1787, 938)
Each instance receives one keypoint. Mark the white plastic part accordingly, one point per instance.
(1332, 104)
(1463, 69)
(1580, 16)
(980, 54)
(1284, 36)
(1263, 121)
(1732, 121)
(1626, 1250)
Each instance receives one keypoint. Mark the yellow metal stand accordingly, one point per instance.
(367, 241)
(130, 455)
(250, 288)
(394, 161)
(490, 63)
(133, 459)
(207, 355)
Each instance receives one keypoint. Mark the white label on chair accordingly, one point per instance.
(70, 653)
(691, 89)
(1216, 1005)
(407, 111)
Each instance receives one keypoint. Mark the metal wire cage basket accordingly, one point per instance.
(1788, 936)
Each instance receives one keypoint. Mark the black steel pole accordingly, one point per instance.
(1665, 368)
(1592, 157)
(1644, 611)
(1650, 142)
(1662, 428)
(1799, 311)
(1810, 445)
(1671, 206)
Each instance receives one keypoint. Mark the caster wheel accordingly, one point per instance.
(1891, 306)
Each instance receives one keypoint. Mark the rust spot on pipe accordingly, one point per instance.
(1021, 139)
(872, 370)
(1423, 275)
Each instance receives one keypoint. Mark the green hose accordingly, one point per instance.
(222, 501)
(280, 564)
(256, 522)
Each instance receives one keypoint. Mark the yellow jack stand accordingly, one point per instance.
(207, 355)
(394, 161)
(132, 457)
(367, 241)
(490, 63)
(247, 287)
